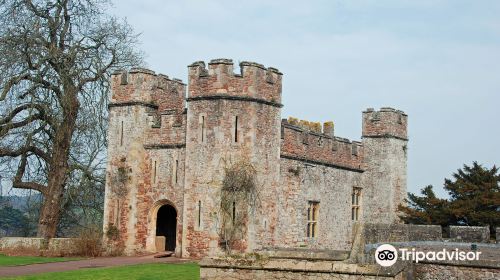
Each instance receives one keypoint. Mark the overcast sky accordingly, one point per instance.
(439, 61)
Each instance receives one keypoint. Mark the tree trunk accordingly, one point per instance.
(58, 170)
(49, 215)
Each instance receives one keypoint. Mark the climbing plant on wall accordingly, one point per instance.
(119, 180)
(239, 195)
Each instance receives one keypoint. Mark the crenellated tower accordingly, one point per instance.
(385, 141)
(168, 154)
(230, 117)
(137, 98)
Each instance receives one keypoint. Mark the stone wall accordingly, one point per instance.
(125, 168)
(307, 263)
(251, 274)
(384, 233)
(454, 272)
(165, 188)
(379, 233)
(167, 130)
(217, 269)
(469, 234)
(23, 242)
(368, 236)
(62, 246)
(245, 269)
(320, 148)
(302, 182)
(55, 246)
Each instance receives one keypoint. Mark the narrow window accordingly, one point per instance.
(154, 172)
(236, 129)
(234, 211)
(355, 199)
(312, 218)
(202, 129)
(199, 213)
(176, 168)
(121, 134)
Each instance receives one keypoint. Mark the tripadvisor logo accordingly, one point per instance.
(387, 255)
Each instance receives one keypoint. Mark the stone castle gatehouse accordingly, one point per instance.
(168, 152)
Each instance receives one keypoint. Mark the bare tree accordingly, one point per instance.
(55, 62)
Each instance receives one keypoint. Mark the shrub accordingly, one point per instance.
(89, 242)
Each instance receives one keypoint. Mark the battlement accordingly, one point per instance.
(328, 127)
(255, 82)
(387, 122)
(143, 86)
(307, 142)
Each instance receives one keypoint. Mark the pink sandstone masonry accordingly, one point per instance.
(169, 144)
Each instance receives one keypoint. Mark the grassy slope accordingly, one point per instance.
(22, 260)
(154, 271)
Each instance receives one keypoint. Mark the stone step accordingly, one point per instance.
(163, 254)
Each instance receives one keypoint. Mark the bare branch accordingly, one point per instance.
(19, 184)
(27, 77)
(24, 150)
(12, 82)
(36, 11)
(54, 69)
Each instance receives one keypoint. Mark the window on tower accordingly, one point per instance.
(235, 132)
(312, 218)
(199, 214)
(202, 129)
(356, 207)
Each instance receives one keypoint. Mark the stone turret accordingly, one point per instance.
(387, 122)
(385, 140)
(230, 117)
(137, 97)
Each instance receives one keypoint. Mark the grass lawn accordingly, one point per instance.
(140, 271)
(22, 260)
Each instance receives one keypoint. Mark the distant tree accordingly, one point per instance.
(13, 222)
(426, 209)
(474, 200)
(55, 63)
(475, 195)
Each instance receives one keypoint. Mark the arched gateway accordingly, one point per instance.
(166, 225)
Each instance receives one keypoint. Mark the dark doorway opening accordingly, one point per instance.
(166, 225)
